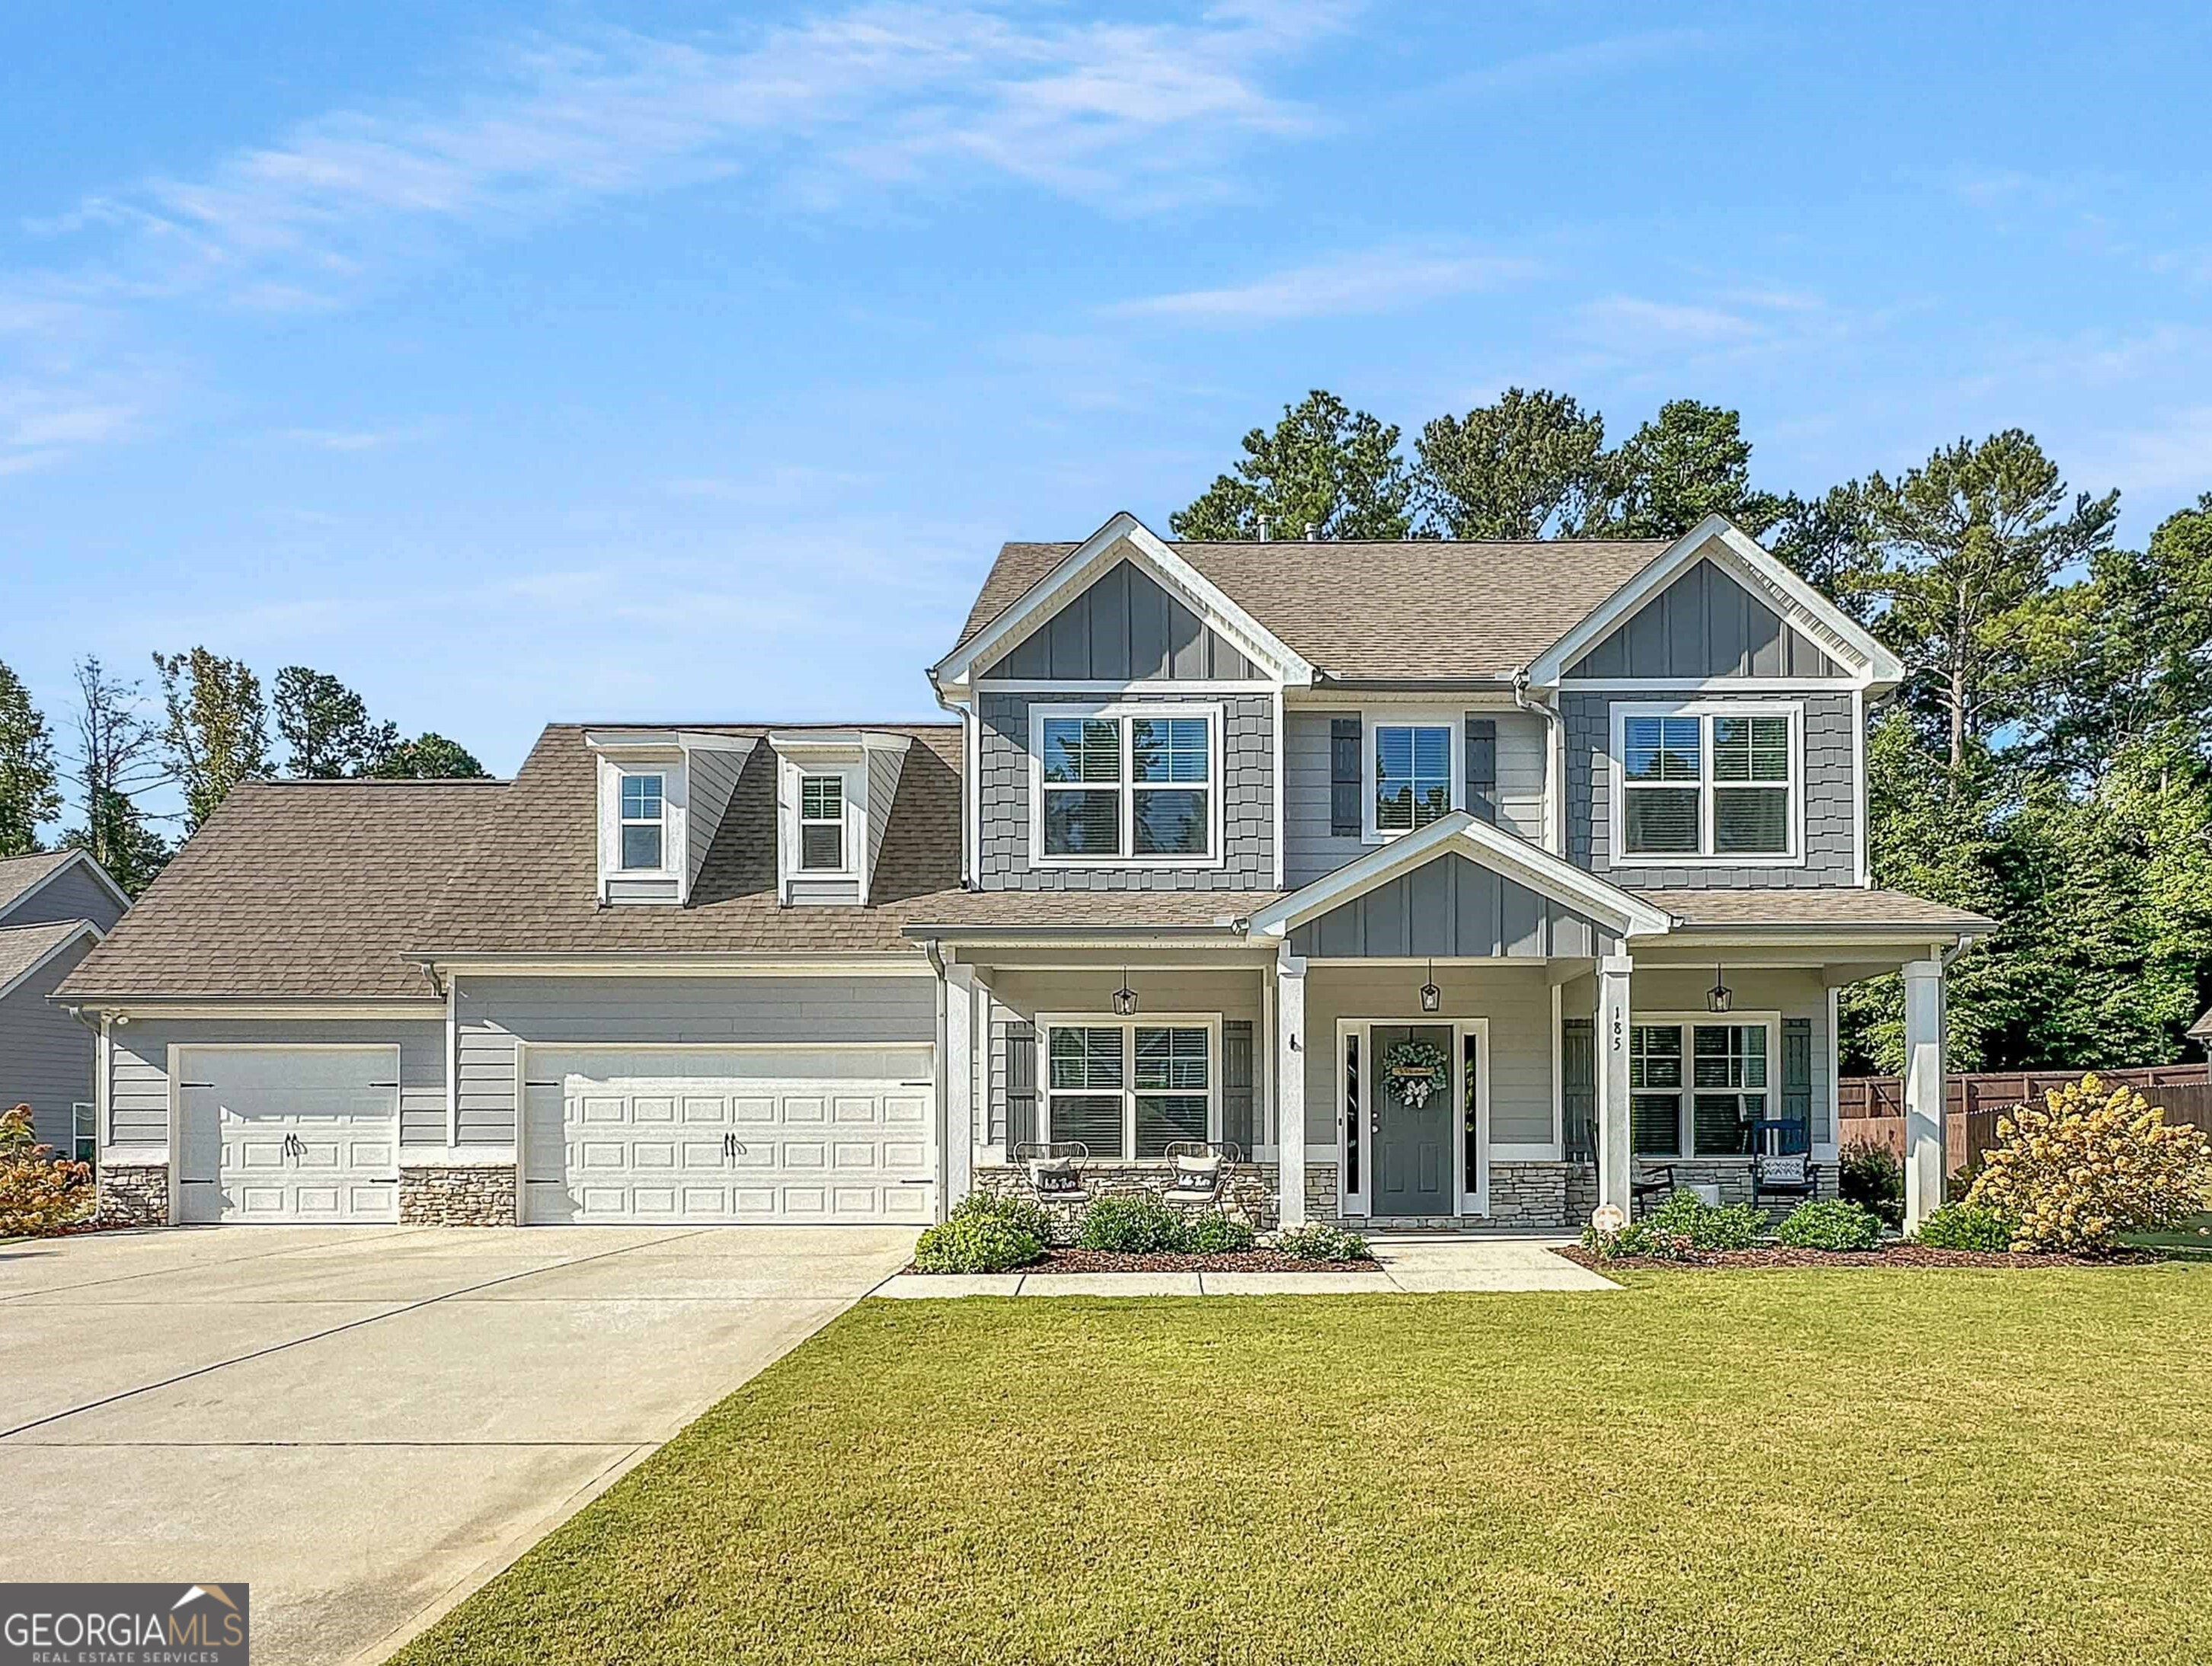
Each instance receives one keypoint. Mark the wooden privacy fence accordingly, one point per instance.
(1871, 1109)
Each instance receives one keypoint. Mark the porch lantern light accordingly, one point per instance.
(1125, 998)
(1720, 997)
(1433, 999)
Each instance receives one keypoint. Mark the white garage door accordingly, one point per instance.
(786, 1135)
(290, 1134)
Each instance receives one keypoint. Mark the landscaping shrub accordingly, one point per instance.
(1024, 1214)
(1319, 1241)
(1216, 1234)
(40, 1193)
(976, 1243)
(1870, 1175)
(1966, 1226)
(2090, 1162)
(1132, 1226)
(1684, 1225)
(1832, 1225)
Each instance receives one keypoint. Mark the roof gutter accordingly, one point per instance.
(1413, 685)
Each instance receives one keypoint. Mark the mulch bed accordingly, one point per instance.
(1895, 1255)
(1241, 1261)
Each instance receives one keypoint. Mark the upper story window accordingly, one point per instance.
(644, 821)
(1716, 784)
(822, 823)
(1127, 785)
(1412, 774)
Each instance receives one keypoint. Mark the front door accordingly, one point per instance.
(1410, 1085)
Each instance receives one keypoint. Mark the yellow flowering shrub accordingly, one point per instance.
(39, 1191)
(2089, 1164)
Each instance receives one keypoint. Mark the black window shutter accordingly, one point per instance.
(1578, 1078)
(1021, 1110)
(1236, 1085)
(1482, 767)
(1344, 817)
(1797, 1075)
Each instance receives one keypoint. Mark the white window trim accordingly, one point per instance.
(1471, 1191)
(1705, 711)
(1049, 1022)
(614, 767)
(847, 868)
(1685, 1121)
(1373, 720)
(1121, 712)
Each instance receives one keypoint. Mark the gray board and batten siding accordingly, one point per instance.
(1124, 628)
(1705, 624)
(1451, 908)
(493, 1014)
(47, 1055)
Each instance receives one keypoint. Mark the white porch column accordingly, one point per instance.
(1613, 1162)
(960, 1006)
(1923, 1090)
(1291, 1086)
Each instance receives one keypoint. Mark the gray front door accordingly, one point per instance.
(1412, 1144)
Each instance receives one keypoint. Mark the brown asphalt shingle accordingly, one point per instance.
(533, 880)
(1075, 910)
(1780, 906)
(23, 947)
(297, 889)
(1410, 608)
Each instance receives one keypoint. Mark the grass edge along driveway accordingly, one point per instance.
(1832, 1466)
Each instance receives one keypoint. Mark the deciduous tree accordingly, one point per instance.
(218, 730)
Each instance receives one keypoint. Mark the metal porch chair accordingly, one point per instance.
(1054, 1170)
(1198, 1171)
(1781, 1166)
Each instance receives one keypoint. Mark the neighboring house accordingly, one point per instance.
(2201, 1031)
(53, 908)
(1454, 881)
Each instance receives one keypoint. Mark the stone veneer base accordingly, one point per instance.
(468, 1195)
(133, 1195)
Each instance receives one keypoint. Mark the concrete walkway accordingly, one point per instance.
(365, 1424)
(1426, 1265)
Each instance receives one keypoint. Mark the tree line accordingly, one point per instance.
(208, 731)
(2048, 760)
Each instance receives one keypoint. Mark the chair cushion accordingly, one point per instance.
(1053, 1174)
(1784, 1170)
(1197, 1170)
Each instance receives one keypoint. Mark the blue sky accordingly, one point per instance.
(691, 362)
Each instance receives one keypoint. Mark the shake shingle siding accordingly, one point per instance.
(1248, 818)
(1831, 800)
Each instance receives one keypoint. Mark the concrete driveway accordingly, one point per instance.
(364, 1424)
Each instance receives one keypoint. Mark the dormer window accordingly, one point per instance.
(644, 822)
(822, 825)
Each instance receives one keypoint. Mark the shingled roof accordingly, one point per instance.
(19, 873)
(533, 885)
(297, 890)
(1365, 611)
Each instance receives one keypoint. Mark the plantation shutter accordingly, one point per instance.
(1578, 1083)
(1019, 1113)
(1797, 1076)
(1482, 767)
(1237, 1126)
(1344, 821)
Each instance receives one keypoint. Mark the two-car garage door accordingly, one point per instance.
(726, 1134)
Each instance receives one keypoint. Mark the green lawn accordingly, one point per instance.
(1780, 1466)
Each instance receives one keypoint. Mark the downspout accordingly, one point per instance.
(1555, 747)
(936, 1074)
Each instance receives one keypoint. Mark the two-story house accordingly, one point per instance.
(1450, 881)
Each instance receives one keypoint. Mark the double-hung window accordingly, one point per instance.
(1706, 784)
(1695, 1089)
(822, 823)
(1128, 1090)
(1127, 787)
(644, 820)
(1413, 775)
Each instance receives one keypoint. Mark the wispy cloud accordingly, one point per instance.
(932, 97)
(2175, 455)
(1531, 71)
(1373, 281)
(359, 440)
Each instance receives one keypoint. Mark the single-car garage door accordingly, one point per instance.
(288, 1134)
(727, 1134)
